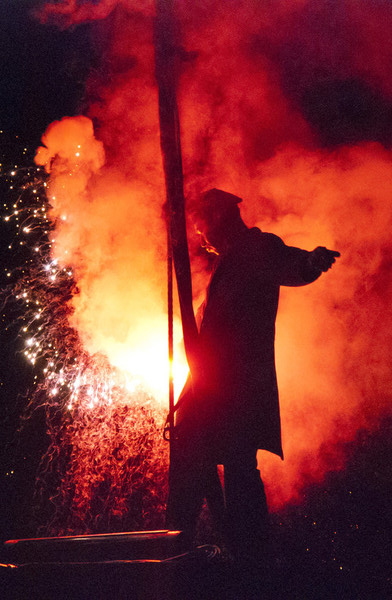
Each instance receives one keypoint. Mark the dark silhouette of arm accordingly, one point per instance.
(295, 267)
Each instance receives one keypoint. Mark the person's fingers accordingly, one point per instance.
(326, 262)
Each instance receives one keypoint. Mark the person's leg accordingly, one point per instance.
(246, 520)
(186, 486)
(214, 496)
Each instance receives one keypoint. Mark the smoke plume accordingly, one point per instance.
(288, 105)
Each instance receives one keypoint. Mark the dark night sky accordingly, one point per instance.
(42, 70)
(42, 77)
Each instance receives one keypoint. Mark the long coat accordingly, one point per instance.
(235, 398)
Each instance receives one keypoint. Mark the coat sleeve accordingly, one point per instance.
(289, 265)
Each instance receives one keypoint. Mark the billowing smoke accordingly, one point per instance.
(288, 105)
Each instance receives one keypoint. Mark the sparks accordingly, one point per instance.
(104, 408)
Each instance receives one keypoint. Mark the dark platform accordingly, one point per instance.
(135, 545)
(144, 565)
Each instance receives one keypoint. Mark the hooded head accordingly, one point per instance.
(217, 217)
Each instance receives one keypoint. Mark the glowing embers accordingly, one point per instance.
(106, 460)
(95, 383)
(106, 467)
(44, 289)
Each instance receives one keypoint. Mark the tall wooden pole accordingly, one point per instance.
(166, 61)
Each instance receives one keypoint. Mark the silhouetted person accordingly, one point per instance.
(231, 409)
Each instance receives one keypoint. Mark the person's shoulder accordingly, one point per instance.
(264, 239)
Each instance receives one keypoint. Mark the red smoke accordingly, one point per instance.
(280, 104)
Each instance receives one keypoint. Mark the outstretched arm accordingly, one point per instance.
(300, 267)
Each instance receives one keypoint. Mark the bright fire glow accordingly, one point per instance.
(147, 364)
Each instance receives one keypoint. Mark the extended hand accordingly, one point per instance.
(322, 259)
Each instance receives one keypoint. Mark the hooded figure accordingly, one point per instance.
(230, 408)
